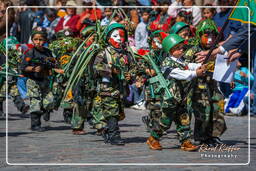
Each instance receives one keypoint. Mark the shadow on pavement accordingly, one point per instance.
(129, 125)
(135, 140)
(14, 134)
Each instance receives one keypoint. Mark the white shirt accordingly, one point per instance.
(180, 74)
(141, 36)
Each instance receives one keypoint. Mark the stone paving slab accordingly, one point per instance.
(58, 145)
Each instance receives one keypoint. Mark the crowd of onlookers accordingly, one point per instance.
(143, 21)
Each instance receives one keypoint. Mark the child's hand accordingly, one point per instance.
(37, 69)
(59, 71)
(243, 74)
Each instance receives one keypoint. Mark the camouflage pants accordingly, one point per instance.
(204, 104)
(78, 116)
(103, 108)
(14, 93)
(154, 113)
(41, 97)
(181, 119)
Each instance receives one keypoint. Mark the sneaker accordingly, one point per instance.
(138, 107)
(188, 146)
(154, 144)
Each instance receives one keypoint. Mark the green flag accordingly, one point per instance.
(241, 13)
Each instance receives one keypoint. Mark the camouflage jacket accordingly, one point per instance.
(179, 88)
(105, 62)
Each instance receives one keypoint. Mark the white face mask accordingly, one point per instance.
(116, 36)
(158, 44)
(209, 40)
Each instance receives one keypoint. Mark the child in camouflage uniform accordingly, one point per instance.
(113, 72)
(154, 99)
(180, 74)
(35, 67)
(209, 122)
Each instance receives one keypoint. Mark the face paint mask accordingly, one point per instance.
(117, 37)
(157, 42)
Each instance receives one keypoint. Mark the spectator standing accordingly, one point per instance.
(141, 33)
(70, 20)
(89, 16)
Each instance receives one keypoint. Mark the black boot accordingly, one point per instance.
(145, 120)
(20, 104)
(217, 140)
(67, 115)
(36, 122)
(113, 133)
(46, 115)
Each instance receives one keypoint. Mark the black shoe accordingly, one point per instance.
(217, 140)
(38, 128)
(208, 142)
(46, 116)
(105, 135)
(116, 140)
(67, 115)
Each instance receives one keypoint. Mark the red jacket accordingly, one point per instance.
(71, 23)
(93, 17)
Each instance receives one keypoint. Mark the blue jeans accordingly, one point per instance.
(22, 87)
(138, 95)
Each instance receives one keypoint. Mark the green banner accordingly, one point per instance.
(241, 13)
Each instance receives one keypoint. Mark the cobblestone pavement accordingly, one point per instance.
(58, 145)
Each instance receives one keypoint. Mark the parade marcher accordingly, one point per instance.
(182, 29)
(63, 48)
(37, 65)
(14, 57)
(112, 66)
(153, 99)
(205, 96)
(84, 91)
(181, 74)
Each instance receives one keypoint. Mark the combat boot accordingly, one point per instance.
(36, 122)
(188, 146)
(154, 144)
(46, 115)
(112, 134)
(67, 115)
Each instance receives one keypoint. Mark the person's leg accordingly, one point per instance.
(111, 113)
(35, 96)
(21, 84)
(78, 119)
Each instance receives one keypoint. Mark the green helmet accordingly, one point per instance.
(178, 27)
(112, 27)
(206, 25)
(171, 41)
(88, 30)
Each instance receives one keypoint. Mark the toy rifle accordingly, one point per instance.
(163, 84)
